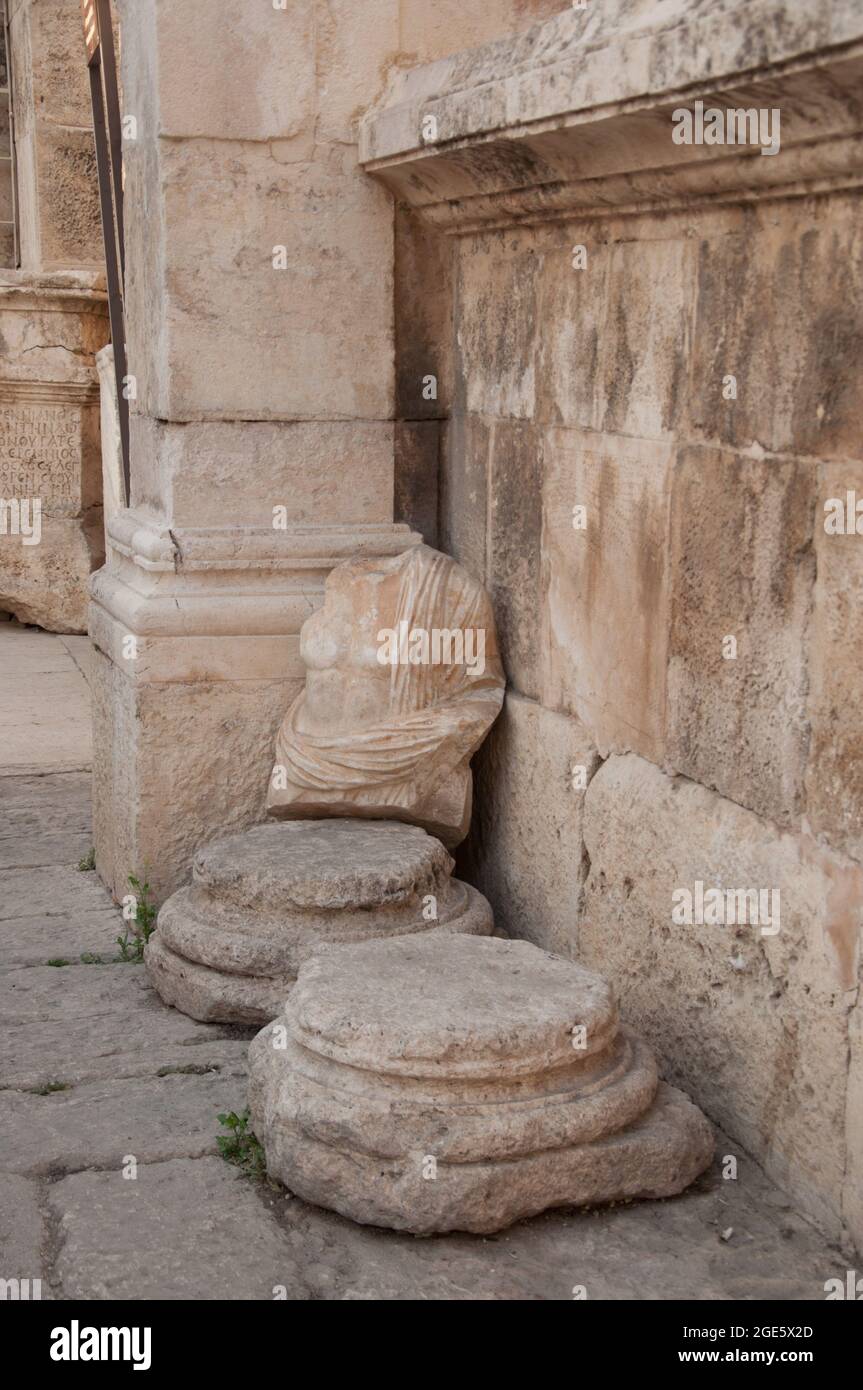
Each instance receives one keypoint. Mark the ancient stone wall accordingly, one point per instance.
(260, 308)
(648, 359)
(53, 320)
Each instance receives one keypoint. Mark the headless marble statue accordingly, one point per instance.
(403, 681)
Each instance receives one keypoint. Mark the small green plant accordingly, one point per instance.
(88, 863)
(49, 1088)
(240, 1147)
(141, 927)
(58, 961)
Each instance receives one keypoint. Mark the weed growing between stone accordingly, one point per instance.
(240, 1146)
(141, 922)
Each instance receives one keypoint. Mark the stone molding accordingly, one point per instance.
(561, 122)
(151, 545)
(28, 392)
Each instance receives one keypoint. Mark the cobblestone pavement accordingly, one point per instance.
(96, 1071)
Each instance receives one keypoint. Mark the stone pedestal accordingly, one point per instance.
(51, 326)
(229, 947)
(457, 1083)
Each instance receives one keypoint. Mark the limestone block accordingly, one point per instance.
(795, 281)
(497, 327)
(416, 467)
(229, 947)
(435, 31)
(515, 549)
(526, 851)
(743, 569)
(464, 491)
(239, 472)
(461, 1083)
(834, 769)
(60, 222)
(752, 1020)
(572, 311)
(151, 812)
(606, 585)
(424, 275)
(245, 330)
(352, 54)
(70, 230)
(46, 584)
(254, 73)
(403, 681)
(51, 326)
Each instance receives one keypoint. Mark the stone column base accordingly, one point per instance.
(460, 1083)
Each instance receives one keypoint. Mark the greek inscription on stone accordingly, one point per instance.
(40, 452)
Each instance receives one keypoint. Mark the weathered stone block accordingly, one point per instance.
(606, 585)
(416, 466)
(248, 330)
(515, 548)
(254, 73)
(779, 308)
(150, 813)
(219, 473)
(497, 327)
(834, 769)
(526, 850)
(46, 584)
(753, 1022)
(464, 486)
(743, 570)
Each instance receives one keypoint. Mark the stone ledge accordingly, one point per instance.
(566, 120)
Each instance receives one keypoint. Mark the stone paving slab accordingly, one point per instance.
(181, 1230)
(48, 817)
(126, 1028)
(32, 851)
(69, 791)
(21, 1230)
(49, 891)
(97, 1125)
(44, 703)
(36, 940)
(92, 991)
(41, 1054)
(195, 1230)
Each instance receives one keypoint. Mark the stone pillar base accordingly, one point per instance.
(228, 948)
(455, 1083)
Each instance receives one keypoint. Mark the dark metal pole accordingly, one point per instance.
(112, 108)
(115, 292)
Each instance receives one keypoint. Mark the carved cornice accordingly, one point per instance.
(570, 120)
(49, 392)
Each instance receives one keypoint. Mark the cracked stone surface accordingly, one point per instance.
(142, 1078)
